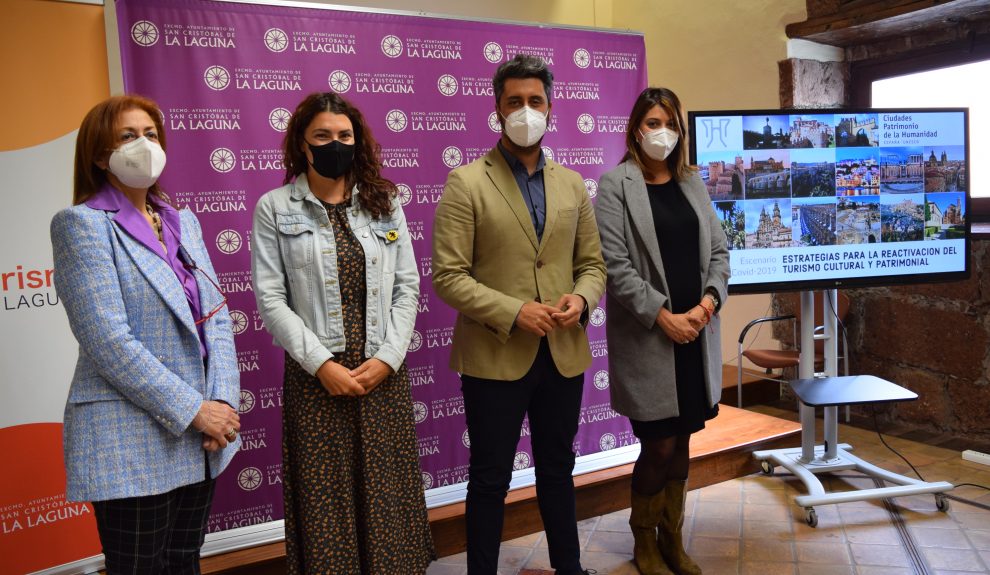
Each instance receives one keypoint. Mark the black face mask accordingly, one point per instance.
(332, 160)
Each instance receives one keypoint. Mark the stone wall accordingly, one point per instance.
(933, 339)
(813, 84)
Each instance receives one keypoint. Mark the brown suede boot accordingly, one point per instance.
(643, 520)
(669, 538)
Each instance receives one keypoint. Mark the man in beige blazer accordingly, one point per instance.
(516, 252)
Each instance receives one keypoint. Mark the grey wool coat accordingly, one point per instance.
(641, 356)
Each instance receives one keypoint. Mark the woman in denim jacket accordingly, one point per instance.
(337, 286)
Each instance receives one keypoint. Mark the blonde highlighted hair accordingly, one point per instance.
(678, 161)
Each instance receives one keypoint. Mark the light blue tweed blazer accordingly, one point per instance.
(140, 378)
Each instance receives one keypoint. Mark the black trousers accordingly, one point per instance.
(494, 410)
(155, 534)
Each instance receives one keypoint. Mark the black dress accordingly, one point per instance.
(677, 232)
(352, 484)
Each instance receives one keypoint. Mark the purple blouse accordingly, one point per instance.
(111, 199)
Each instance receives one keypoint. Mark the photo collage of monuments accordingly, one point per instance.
(825, 179)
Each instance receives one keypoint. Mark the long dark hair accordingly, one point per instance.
(678, 160)
(98, 135)
(375, 193)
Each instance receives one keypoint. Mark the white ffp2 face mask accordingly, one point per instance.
(659, 143)
(525, 127)
(138, 163)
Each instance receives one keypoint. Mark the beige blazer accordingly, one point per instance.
(487, 263)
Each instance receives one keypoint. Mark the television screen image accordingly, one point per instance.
(733, 223)
(902, 218)
(945, 215)
(857, 172)
(856, 130)
(813, 220)
(813, 173)
(945, 168)
(768, 174)
(812, 131)
(766, 133)
(768, 223)
(724, 175)
(902, 171)
(825, 198)
(857, 220)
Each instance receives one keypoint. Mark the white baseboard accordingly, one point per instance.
(976, 456)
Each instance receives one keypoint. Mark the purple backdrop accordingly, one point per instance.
(227, 77)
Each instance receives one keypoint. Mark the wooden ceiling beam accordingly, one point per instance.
(854, 22)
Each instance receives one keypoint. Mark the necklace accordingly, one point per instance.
(156, 224)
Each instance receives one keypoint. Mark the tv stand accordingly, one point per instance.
(830, 392)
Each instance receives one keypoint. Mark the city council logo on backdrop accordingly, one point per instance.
(427, 480)
(419, 411)
(276, 40)
(416, 341)
(547, 152)
(520, 461)
(598, 317)
(582, 58)
(229, 241)
(452, 156)
(144, 33)
(607, 442)
(405, 194)
(217, 78)
(447, 85)
(493, 52)
(247, 402)
(340, 81)
(592, 187)
(601, 379)
(586, 123)
(493, 123)
(222, 160)
(239, 321)
(278, 119)
(396, 120)
(392, 46)
(249, 478)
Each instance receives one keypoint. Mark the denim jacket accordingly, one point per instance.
(294, 274)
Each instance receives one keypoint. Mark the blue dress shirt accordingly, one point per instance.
(531, 187)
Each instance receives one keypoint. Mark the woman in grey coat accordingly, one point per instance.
(668, 269)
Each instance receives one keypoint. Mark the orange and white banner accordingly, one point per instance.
(54, 70)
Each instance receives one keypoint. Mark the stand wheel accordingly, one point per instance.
(766, 467)
(810, 517)
(941, 502)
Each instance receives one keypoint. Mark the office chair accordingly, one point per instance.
(773, 359)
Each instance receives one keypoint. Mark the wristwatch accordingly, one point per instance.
(714, 296)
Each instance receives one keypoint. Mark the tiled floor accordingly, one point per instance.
(751, 524)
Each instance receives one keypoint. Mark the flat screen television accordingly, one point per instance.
(836, 198)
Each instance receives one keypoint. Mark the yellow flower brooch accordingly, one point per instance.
(392, 235)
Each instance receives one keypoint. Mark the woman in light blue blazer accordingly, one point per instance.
(150, 419)
(668, 272)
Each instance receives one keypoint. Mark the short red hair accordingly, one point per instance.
(97, 135)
